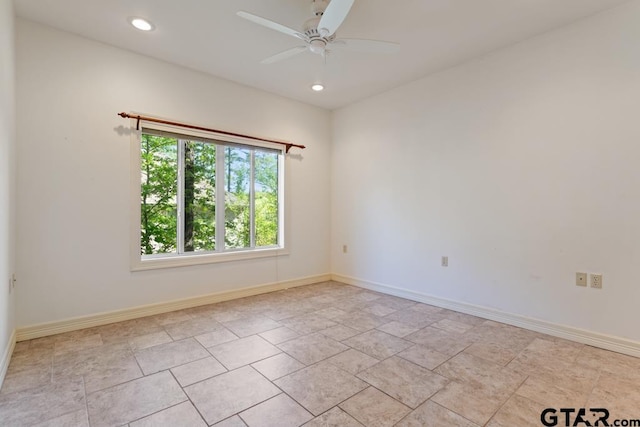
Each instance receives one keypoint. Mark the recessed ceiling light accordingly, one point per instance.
(317, 87)
(141, 24)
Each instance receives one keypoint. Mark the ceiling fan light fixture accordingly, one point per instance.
(317, 46)
(141, 24)
(317, 87)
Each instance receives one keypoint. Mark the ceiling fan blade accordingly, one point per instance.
(270, 24)
(284, 55)
(333, 16)
(361, 45)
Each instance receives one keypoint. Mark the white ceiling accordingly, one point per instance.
(207, 35)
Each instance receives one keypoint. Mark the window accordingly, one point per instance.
(205, 200)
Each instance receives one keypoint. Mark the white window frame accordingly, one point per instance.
(139, 262)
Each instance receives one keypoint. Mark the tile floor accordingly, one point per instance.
(319, 355)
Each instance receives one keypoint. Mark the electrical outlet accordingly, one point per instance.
(344, 249)
(596, 281)
(445, 261)
(581, 279)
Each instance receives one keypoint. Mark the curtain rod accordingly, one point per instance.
(288, 145)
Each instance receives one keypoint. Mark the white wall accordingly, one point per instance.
(73, 183)
(522, 167)
(7, 174)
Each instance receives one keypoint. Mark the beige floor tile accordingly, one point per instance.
(619, 384)
(375, 409)
(366, 296)
(442, 341)
(430, 414)
(312, 348)
(620, 395)
(149, 340)
(198, 370)
(518, 411)
(378, 344)
(279, 335)
(251, 325)
(481, 373)
(379, 310)
(575, 377)
(478, 365)
(243, 388)
(123, 331)
(36, 405)
(452, 326)
(279, 411)
(361, 321)
(72, 419)
(618, 407)
(464, 318)
(405, 381)
(189, 328)
(277, 366)
(542, 353)
(77, 344)
(414, 318)
(283, 311)
(26, 380)
(308, 323)
(502, 336)
(244, 351)
(234, 421)
(183, 414)
(21, 348)
(551, 395)
(44, 343)
(428, 309)
(320, 387)
(609, 361)
(226, 315)
(335, 417)
(352, 361)
(29, 370)
(397, 329)
(339, 332)
(217, 337)
(396, 303)
(492, 352)
(424, 356)
(534, 358)
(133, 400)
(471, 402)
(166, 356)
(101, 367)
(33, 359)
(330, 313)
(171, 317)
(49, 342)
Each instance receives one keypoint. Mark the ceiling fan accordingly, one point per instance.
(319, 32)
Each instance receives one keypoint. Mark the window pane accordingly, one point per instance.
(266, 198)
(237, 164)
(158, 219)
(199, 196)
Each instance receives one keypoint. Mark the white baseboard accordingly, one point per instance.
(595, 339)
(6, 356)
(607, 342)
(67, 325)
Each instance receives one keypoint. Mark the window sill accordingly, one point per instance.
(209, 258)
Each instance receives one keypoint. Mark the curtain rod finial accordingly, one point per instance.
(123, 115)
